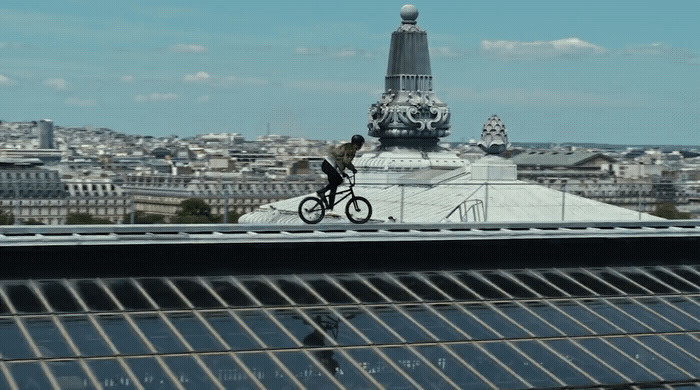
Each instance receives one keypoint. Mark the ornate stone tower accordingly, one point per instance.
(409, 114)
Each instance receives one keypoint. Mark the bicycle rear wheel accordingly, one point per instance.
(358, 210)
(311, 210)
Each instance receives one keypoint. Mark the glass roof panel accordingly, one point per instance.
(308, 373)
(13, 345)
(400, 324)
(553, 363)
(122, 334)
(47, 337)
(673, 280)
(331, 293)
(643, 315)
(94, 296)
(617, 317)
(299, 294)
(231, 294)
(150, 373)
(231, 331)
(158, 333)
(421, 288)
(299, 327)
(85, 336)
(538, 285)
(495, 320)
(267, 371)
(379, 369)
(29, 375)
(416, 368)
(464, 321)
(646, 281)
(59, 297)
(691, 305)
(527, 319)
(594, 284)
(581, 314)
(558, 320)
(518, 363)
(228, 372)
(688, 343)
(110, 374)
(347, 374)
(487, 367)
(621, 283)
(188, 372)
(672, 353)
(23, 299)
(334, 327)
(647, 358)
(266, 329)
(450, 287)
(451, 367)
(390, 289)
(264, 293)
(584, 362)
(4, 384)
(666, 309)
(194, 331)
(69, 375)
(479, 286)
(566, 284)
(508, 285)
(692, 277)
(196, 294)
(162, 294)
(368, 326)
(434, 324)
(615, 359)
(128, 295)
(360, 290)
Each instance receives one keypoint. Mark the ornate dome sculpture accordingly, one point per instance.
(494, 139)
(408, 113)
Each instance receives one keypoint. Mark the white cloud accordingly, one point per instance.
(338, 53)
(344, 53)
(567, 47)
(199, 76)
(3, 45)
(236, 80)
(57, 83)
(155, 97)
(303, 51)
(664, 51)
(188, 48)
(6, 81)
(203, 99)
(80, 102)
(127, 78)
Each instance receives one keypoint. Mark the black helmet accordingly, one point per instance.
(358, 139)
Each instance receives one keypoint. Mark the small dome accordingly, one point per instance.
(409, 13)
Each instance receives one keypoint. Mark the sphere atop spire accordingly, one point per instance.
(409, 13)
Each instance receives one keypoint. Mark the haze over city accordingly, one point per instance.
(597, 71)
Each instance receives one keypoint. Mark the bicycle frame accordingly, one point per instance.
(345, 193)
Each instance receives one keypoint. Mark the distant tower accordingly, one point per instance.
(409, 114)
(46, 134)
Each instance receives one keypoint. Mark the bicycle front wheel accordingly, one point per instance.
(311, 210)
(358, 210)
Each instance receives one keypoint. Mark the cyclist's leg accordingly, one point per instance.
(334, 180)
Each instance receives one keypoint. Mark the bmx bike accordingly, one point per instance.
(358, 209)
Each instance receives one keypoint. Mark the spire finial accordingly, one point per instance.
(409, 14)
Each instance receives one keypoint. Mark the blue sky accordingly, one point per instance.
(555, 71)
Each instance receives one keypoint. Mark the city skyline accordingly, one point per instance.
(609, 72)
